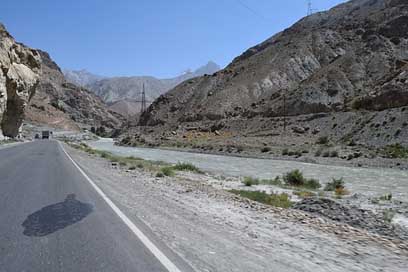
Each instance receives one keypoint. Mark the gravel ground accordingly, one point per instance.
(214, 230)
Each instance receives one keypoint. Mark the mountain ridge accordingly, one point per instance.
(350, 59)
(113, 89)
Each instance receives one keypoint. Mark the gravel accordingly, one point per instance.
(353, 216)
(214, 230)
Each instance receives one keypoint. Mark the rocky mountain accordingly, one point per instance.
(349, 62)
(129, 88)
(81, 78)
(61, 104)
(20, 69)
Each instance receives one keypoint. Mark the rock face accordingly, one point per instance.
(64, 105)
(351, 58)
(19, 76)
(127, 90)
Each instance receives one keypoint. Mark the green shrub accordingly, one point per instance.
(160, 175)
(285, 152)
(168, 171)
(265, 149)
(335, 184)
(313, 184)
(294, 178)
(132, 168)
(122, 163)
(249, 181)
(276, 200)
(387, 197)
(395, 151)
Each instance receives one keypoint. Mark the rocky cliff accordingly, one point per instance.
(19, 76)
(352, 57)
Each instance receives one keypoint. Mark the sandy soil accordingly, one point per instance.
(214, 230)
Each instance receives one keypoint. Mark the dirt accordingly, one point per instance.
(214, 230)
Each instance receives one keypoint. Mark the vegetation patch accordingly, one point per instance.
(276, 181)
(130, 162)
(167, 171)
(340, 192)
(187, 167)
(295, 178)
(249, 181)
(277, 200)
(7, 141)
(304, 194)
(335, 184)
(387, 197)
(395, 151)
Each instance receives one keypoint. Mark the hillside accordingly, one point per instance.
(61, 104)
(340, 74)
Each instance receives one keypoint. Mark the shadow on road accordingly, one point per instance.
(55, 217)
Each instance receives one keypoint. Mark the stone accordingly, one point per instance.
(299, 130)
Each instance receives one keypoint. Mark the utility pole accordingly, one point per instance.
(284, 112)
(309, 7)
(143, 109)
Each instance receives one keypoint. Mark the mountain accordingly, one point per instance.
(129, 89)
(349, 63)
(33, 89)
(59, 103)
(20, 69)
(81, 77)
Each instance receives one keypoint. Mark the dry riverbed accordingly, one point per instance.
(215, 230)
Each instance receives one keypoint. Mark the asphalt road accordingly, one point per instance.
(52, 219)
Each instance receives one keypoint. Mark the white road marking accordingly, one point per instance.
(169, 265)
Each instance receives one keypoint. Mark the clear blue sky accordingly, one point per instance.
(148, 37)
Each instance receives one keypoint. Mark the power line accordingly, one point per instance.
(251, 9)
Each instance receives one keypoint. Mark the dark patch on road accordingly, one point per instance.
(56, 216)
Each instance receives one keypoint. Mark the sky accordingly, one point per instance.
(160, 38)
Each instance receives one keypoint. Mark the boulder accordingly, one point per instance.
(299, 130)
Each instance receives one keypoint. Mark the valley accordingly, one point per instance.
(291, 157)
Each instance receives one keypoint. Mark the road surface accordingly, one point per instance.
(53, 219)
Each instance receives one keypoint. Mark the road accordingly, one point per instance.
(53, 219)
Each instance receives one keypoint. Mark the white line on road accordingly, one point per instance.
(169, 265)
